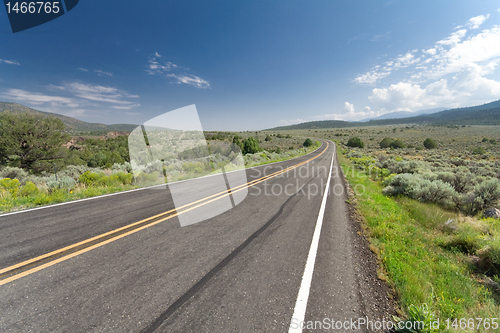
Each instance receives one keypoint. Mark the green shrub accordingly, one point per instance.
(251, 146)
(29, 189)
(430, 143)
(397, 144)
(385, 143)
(490, 256)
(420, 189)
(308, 143)
(89, 178)
(467, 241)
(488, 191)
(13, 173)
(124, 178)
(10, 185)
(355, 142)
(479, 151)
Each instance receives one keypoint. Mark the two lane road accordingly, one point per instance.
(123, 263)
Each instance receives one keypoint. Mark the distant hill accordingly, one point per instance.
(72, 123)
(404, 114)
(486, 114)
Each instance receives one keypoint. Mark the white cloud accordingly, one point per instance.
(350, 115)
(348, 107)
(99, 93)
(379, 72)
(37, 98)
(190, 79)
(101, 73)
(451, 73)
(155, 67)
(126, 107)
(412, 96)
(10, 62)
(168, 69)
(453, 39)
(80, 100)
(83, 69)
(475, 22)
(371, 77)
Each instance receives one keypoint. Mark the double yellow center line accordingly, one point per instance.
(36, 264)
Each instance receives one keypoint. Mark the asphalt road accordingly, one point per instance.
(239, 271)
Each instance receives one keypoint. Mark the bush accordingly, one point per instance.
(385, 143)
(308, 143)
(89, 178)
(355, 142)
(29, 189)
(10, 185)
(488, 191)
(420, 189)
(62, 183)
(397, 144)
(13, 173)
(490, 256)
(430, 143)
(479, 151)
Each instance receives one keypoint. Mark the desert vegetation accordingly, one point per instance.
(42, 162)
(429, 207)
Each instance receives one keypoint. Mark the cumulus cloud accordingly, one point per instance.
(476, 21)
(348, 107)
(454, 38)
(453, 72)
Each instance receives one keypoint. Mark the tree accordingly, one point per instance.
(268, 138)
(31, 141)
(430, 144)
(251, 146)
(308, 143)
(355, 142)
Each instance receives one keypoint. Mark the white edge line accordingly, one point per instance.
(305, 286)
(140, 189)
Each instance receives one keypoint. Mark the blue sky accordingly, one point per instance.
(250, 65)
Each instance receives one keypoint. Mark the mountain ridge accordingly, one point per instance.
(485, 114)
(73, 124)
